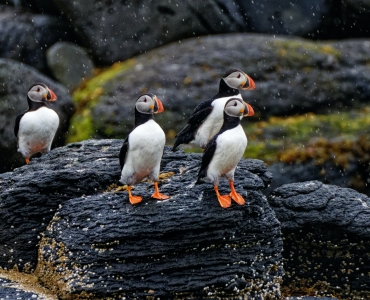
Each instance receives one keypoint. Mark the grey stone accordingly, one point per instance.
(119, 30)
(69, 64)
(25, 36)
(287, 17)
(326, 238)
(15, 80)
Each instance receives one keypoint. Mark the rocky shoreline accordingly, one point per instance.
(66, 224)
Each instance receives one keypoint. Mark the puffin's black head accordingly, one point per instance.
(238, 108)
(238, 80)
(149, 104)
(39, 92)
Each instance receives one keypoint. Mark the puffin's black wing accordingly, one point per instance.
(201, 112)
(208, 153)
(17, 121)
(123, 153)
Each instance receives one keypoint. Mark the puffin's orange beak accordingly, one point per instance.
(249, 111)
(53, 97)
(159, 106)
(249, 85)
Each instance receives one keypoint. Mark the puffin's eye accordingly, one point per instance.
(235, 104)
(144, 99)
(238, 75)
(38, 89)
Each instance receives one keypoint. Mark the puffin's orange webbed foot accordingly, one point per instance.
(225, 200)
(27, 160)
(235, 196)
(133, 199)
(157, 195)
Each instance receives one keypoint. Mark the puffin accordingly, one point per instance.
(206, 119)
(224, 151)
(142, 150)
(36, 127)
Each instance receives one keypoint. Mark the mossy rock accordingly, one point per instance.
(292, 75)
(297, 139)
(332, 148)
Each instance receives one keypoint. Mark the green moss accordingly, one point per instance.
(300, 52)
(293, 138)
(87, 96)
(302, 46)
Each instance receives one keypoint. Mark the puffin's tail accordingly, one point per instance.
(174, 148)
(202, 173)
(185, 136)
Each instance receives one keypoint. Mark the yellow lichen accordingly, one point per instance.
(87, 96)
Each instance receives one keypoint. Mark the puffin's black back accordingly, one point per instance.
(201, 112)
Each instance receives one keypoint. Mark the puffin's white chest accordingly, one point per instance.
(37, 130)
(229, 150)
(213, 123)
(146, 144)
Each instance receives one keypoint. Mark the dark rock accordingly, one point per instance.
(187, 244)
(340, 162)
(334, 76)
(326, 238)
(10, 291)
(328, 173)
(301, 18)
(15, 285)
(310, 298)
(15, 80)
(119, 30)
(40, 7)
(25, 36)
(69, 64)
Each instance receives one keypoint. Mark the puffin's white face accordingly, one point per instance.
(41, 93)
(238, 108)
(239, 80)
(234, 108)
(149, 104)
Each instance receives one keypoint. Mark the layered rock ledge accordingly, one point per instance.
(84, 240)
(326, 232)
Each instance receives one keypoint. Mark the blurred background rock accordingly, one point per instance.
(309, 59)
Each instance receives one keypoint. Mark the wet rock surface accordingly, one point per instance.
(326, 238)
(187, 245)
(15, 80)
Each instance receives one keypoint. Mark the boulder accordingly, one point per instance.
(116, 31)
(25, 36)
(342, 161)
(326, 233)
(297, 17)
(15, 80)
(69, 64)
(187, 245)
(292, 76)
